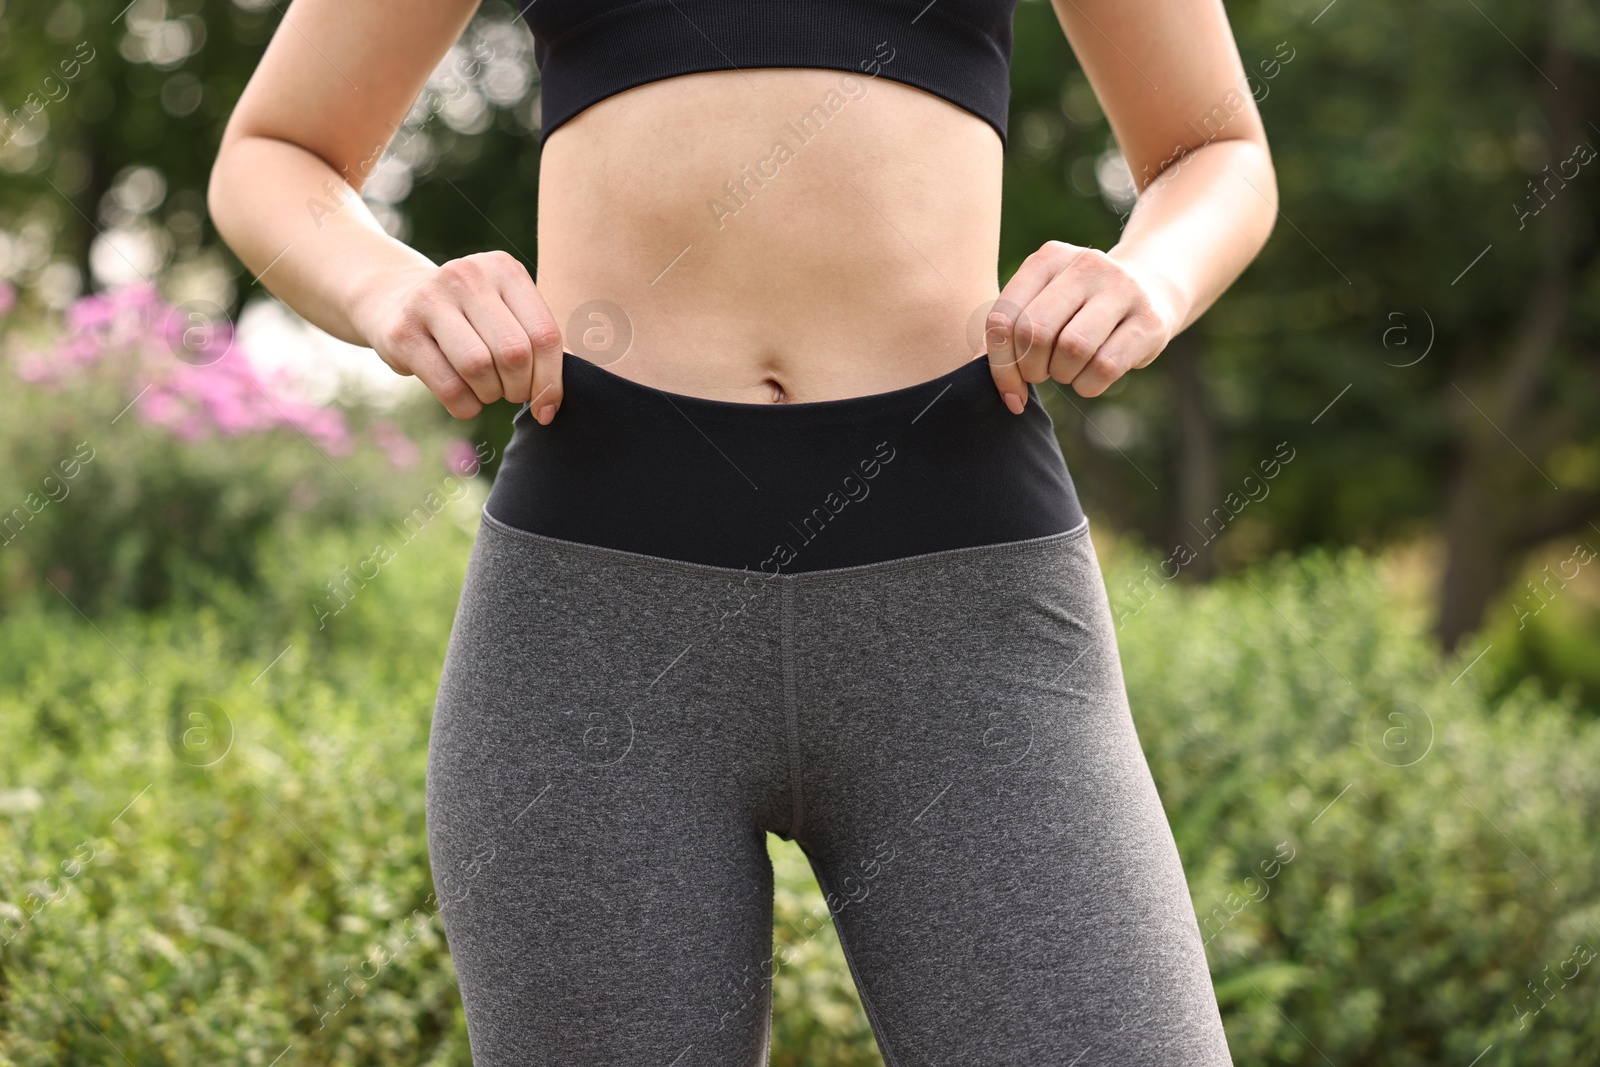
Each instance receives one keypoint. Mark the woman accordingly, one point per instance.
(783, 541)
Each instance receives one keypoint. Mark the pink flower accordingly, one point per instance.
(158, 407)
(184, 367)
(194, 339)
(34, 366)
(327, 427)
(90, 312)
(191, 428)
(400, 449)
(461, 457)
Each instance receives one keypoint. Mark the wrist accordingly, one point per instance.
(1170, 298)
(370, 291)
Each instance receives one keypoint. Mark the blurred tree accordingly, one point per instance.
(1433, 277)
(117, 110)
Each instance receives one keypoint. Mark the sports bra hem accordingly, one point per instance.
(950, 56)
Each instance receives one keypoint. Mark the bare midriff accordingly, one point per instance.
(681, 247)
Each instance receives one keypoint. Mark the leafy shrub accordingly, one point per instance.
(142, 457)
(1443, 861)
(1548, 624)
(249, 799)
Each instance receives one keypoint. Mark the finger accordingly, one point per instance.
(547, 389)
(510, 350)
(1094, 378)
(1043, 320)
(1083, 335)
(1011, 336)
(432, 369)
(544, 375)
(1132, 344)
(1003, 367)
(466, 352)
(1014, 340)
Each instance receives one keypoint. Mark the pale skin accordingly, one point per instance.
(864, 261)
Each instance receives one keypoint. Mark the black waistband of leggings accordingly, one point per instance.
(785, 487)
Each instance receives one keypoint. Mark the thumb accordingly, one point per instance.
(1000, 341)
(548, 355)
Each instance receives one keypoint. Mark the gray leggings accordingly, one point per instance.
(946, 736)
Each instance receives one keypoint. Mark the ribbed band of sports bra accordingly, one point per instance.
(587, 50)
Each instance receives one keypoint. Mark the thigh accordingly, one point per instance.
(1002, 875)
(600, 764)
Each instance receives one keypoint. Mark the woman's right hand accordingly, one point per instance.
(474, 330)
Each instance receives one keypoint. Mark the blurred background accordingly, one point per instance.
(1349, 521)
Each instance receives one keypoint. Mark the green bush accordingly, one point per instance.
(142, 459)
(273, 834)
(1443, 859)
(226, 804)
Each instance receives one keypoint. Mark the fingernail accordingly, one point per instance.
(546, 413)
(1015, 403)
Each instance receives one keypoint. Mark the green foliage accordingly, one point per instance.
(254, 821)
(816, 1016)
(1442, 848)
(109, 506)
(1547, 626)
(227, 805)
(1408, 141)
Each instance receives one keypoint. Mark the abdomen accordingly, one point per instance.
(831, 232)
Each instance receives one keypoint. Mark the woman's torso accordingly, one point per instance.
(678, 249)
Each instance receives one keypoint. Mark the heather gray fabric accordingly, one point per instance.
(948, 738)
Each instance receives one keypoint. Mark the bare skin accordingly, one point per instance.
(863, 261)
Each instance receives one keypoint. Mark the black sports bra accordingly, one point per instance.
(588, 50)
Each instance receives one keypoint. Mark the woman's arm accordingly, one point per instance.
(332, 88)
(1168, 75)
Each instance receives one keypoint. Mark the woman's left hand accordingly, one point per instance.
(1078, 316)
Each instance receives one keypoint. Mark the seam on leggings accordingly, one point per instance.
(791, 711)
(641, 559)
